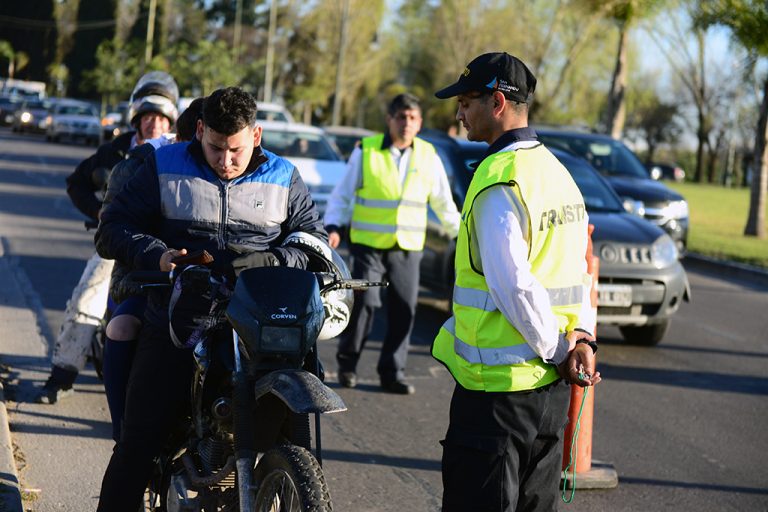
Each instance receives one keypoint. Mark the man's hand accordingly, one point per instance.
(254, 260)
(166, 260)
(580, 360)
(334, 239)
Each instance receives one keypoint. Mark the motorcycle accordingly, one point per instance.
(246, 445)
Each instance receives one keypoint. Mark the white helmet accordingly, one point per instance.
(322, 258)
(157, 92)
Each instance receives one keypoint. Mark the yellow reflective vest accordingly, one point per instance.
(480, 347)
(387, 213)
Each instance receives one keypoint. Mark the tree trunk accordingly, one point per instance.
(615, 111)
(756, 219)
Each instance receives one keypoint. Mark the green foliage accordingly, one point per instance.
(717, 222)
(115, 73)
(748, 19)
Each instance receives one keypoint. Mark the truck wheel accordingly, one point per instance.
(645, 334)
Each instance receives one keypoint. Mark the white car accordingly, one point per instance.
(73, 119)
(308, 148)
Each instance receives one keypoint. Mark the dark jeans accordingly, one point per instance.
(401, 269)
(503, 451)
(158, 395)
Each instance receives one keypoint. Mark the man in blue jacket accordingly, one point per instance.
(223, 193)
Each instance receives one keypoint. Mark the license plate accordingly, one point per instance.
(616, 295)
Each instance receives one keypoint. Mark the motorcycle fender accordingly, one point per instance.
(301, 391)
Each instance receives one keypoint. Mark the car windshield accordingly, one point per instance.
(598, 196)
(38, 105)
(610, 157)
(271, 115)
(75, 110)
(298, 144)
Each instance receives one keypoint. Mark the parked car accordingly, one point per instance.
(73, 119)
(30, 117)
(662, 171)
(628, 177)
(8, 106)
(308, 148)
(641, 281)
(114, 122)
(273, 112)
(346, 137)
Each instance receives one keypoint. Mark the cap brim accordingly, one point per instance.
(452, 90)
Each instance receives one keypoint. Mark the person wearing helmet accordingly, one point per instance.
(222, 193)
(152, 113)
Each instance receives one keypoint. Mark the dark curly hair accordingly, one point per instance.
(186, 124)
(229, 110)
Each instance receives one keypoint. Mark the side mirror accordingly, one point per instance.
(634, 206)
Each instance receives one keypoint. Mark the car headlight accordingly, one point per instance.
(676, 210)
(26, 117)
(663, 252)
(634, 206)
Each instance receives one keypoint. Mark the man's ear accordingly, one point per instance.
(200, 129)
(257, 135)
(499, 103)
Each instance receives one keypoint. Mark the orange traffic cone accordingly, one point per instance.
(602, 475)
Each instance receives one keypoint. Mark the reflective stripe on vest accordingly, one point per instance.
(481, 349)
(387, 213)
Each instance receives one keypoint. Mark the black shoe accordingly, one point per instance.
(398, 387)
(58, 386)
(52, 392)
(348, 379)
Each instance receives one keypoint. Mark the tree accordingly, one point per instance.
(16, 60)
(95, 23)
(748, 22)
(654, 119)
(30, 29)
(624, 13)
(114, 75)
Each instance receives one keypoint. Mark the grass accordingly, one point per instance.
(717, 219)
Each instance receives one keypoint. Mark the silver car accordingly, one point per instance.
(74, 120)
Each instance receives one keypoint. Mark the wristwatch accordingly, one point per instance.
(591, 344)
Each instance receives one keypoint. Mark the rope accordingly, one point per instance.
(574, 449)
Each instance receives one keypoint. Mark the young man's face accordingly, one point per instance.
(475, 112)
(403, 126)
(152, 125)
(228, 155)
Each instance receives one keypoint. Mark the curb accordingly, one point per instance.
(10, 493)
(749, 273)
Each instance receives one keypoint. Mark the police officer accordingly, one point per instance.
(391, 178)
(152, 112)
(519, 331)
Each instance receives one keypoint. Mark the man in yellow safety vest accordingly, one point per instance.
(517, 337)
(391, 179)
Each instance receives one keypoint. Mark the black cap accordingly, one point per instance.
(497, 71)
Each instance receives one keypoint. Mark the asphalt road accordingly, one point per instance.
(682, 423)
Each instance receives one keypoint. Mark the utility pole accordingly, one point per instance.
(270, 51)
(236, 38)
(150, 33)
(340, 67)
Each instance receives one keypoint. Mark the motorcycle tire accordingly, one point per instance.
(289, 479)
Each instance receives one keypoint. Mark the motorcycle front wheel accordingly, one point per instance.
(289, 479)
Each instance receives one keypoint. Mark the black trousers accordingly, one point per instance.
(401, 269)
(503, 451)
(158, 395)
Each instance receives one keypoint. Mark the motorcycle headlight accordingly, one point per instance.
(280, 340)
(664, 252)
(676, 210)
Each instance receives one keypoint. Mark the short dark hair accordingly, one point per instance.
(229, 110)
(518, 107)
(186, 124)
(404, 101)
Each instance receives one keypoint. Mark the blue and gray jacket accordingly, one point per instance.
(175, 200)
